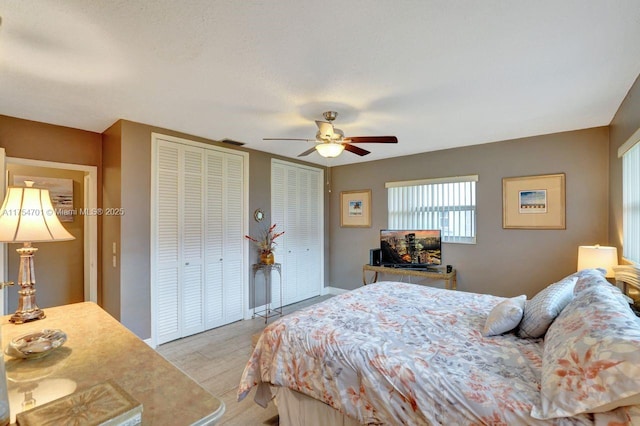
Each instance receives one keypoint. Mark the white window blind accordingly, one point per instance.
(631, 203)
(448, 204)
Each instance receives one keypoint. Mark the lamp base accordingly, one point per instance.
(26, 316)
(27, 310)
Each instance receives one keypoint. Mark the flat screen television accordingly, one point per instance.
(411, 248)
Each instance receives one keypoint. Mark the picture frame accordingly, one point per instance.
(355, 209)
(60, 192)
(534, 202)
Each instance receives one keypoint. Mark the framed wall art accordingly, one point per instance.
(60, 192)
(355, 209)
(534, 202)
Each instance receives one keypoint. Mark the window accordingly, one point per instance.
(448, 204)
(630, 153)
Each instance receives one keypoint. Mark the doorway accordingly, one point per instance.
(66, 272)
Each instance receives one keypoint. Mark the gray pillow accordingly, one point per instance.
(545, 306)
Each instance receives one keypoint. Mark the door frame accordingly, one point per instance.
(3, 246)
(90, 221)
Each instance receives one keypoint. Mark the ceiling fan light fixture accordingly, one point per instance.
(329, 150)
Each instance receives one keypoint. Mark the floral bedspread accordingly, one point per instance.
(395, 353)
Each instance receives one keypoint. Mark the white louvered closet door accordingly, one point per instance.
(233, 285)
(192, 232)
(278, 206)
(290, 261)
(167, 249)
(297, 208)
(224, 290)
(214, 228)
(304, 239)
(311, 222)
(198, 248)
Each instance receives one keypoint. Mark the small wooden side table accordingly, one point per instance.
(448, 277)
(268, 310)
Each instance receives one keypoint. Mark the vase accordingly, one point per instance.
(267, 258)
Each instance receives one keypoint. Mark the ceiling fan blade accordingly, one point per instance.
(372, 139)
(355, 149)
(288, 139)
(307, 152)
(326, 129)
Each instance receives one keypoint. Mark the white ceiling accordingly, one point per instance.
(436, 74)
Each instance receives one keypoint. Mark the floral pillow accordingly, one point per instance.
(505, 316)
(591, 359)
(545, 306)
(587, 278)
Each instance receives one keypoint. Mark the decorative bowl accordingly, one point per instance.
(36, 345)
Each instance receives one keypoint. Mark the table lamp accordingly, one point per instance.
(28, 216)
(598, 257)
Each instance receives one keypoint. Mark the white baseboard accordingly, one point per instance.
(333, 290)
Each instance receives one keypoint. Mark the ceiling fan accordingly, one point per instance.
(330, 141)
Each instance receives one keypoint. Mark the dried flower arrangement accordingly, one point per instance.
(266, 241)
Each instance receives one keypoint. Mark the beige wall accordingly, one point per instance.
(624, 124)
(111, 198)
(127, 293)
(60, 265)
(503, 262)
(47, 142)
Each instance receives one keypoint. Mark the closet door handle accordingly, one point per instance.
(186, 264)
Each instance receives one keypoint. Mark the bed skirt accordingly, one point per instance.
(296, 409)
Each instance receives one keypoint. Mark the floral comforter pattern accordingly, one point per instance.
(394, 353)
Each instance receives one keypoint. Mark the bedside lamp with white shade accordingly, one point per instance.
(27, 216)
(598, 257)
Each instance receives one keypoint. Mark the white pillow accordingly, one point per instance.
(505, 316)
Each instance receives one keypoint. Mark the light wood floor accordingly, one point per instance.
(216, 358)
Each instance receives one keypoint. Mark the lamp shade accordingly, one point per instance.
(598, 257)
(330, 149)
(27, 215)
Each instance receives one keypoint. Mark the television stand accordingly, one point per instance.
(437, 274)
(415, 268)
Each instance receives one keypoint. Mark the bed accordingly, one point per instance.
(395, 353)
